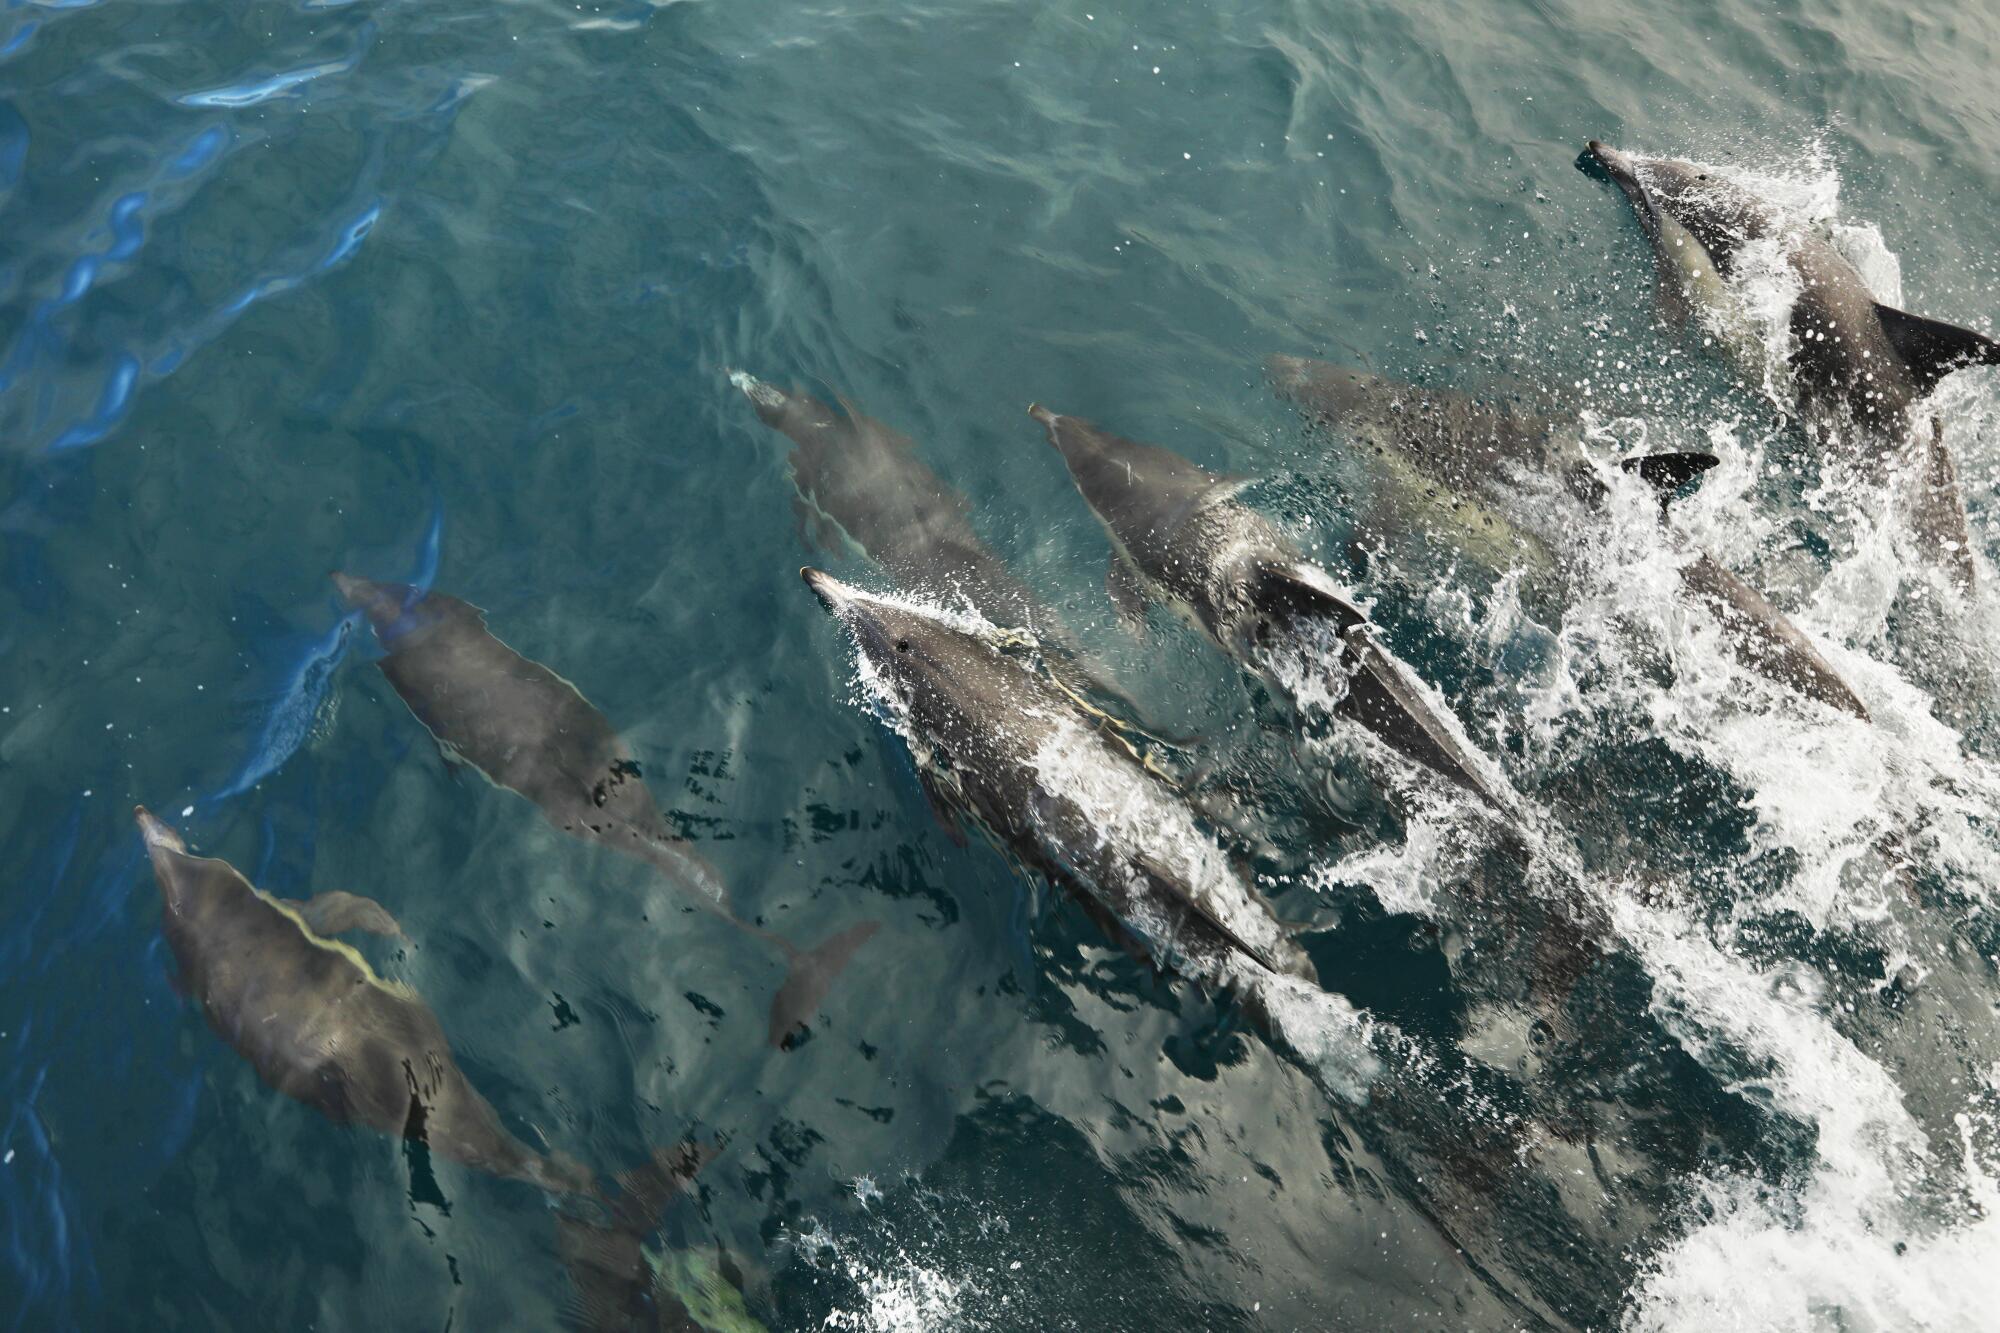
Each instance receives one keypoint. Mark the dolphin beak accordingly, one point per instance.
(156, 833)
(349, 588)
(832, 593)
(766, 399)
(1606, 163)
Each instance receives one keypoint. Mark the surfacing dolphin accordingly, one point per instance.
(316, 1022)
(996, 742)
(1180, 534)
(863, 485)
(1436, 445)
(1005, 745)
(532, 732)
(1858, 364)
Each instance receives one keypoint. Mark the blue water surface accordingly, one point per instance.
(449, 295)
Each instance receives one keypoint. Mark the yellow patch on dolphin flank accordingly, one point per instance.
(353, 955)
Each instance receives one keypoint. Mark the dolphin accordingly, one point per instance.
(529, 730)
(997, 743)
(1001, 742)
(861, 484)
(620, 1285)
(1856, 361)
(317, 1023)
(1180, 534)
(1495, 451)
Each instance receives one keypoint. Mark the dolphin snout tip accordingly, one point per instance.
(155, 832)
(825, 586)
(1600, 159)
(762, 396)
(1042, 414)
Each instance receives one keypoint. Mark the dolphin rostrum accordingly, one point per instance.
(1436, 445)
(532, 732)
(317, 1023)
(1856, 361)
(1180, 533)
(998, 743)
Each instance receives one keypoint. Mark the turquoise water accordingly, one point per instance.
(450, 295)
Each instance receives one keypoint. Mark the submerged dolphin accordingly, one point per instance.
(315, 1020)
(1179, 533)
(532, 732)
(1437, 445)
(998, 743)
(862, 484)
(620, 1285)
(1856, 361)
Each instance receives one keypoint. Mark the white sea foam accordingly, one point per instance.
(1885, 1226)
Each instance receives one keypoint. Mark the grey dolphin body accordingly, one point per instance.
(1179, 532)
(998, 744)
(532, 732)
(1857, 362)
(861, 483)
(319, 1025)
(1002, 743)
(1452, 461)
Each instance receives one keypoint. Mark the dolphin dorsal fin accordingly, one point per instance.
(1303, 589)
(1933, 349)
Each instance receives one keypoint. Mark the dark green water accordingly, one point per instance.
(451, 293)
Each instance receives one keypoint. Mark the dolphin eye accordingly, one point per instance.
(902, 645)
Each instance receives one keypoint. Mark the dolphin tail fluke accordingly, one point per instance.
(1933, 349)
(810, 975)
(1667, 473)
(613, 1281)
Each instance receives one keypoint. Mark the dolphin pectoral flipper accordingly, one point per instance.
(942, 809)
(810, 976)
(338, 911)
(1932, 348)
(1937, 509)
(1121, 581)
(1384, 698)
(1764, 640)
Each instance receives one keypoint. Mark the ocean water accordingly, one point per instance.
(451, 296)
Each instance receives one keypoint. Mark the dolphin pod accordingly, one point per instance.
(1862, 368)
(979, 680)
